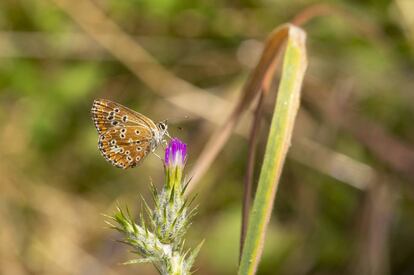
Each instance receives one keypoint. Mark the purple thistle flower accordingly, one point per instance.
(175, 154)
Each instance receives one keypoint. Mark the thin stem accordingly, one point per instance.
(248, 179)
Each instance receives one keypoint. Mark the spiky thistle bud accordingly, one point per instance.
(161, 241)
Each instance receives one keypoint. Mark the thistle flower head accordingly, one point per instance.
(174, 162)
(175, 154)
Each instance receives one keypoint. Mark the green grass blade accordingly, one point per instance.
(294, 66)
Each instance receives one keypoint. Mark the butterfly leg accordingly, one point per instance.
(157, 155)
(164, 144)
(162, 160)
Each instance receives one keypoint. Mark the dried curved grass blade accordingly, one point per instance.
(263, 72)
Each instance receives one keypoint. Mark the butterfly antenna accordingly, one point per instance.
(178, 119)
(157, 155)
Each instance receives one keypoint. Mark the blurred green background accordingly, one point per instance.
(346, 201)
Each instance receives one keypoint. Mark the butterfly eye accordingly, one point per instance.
(162, 126)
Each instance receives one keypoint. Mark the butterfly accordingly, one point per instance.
(126, 137)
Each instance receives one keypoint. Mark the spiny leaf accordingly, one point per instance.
(141, 216)
(154, 194)
(186, 185)
(172, 195)
(193, 255)
(140, 261)
(190, 201)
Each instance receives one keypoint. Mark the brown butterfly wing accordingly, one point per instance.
(125, 147)
(107, 114)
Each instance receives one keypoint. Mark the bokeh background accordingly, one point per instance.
(346, 201)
